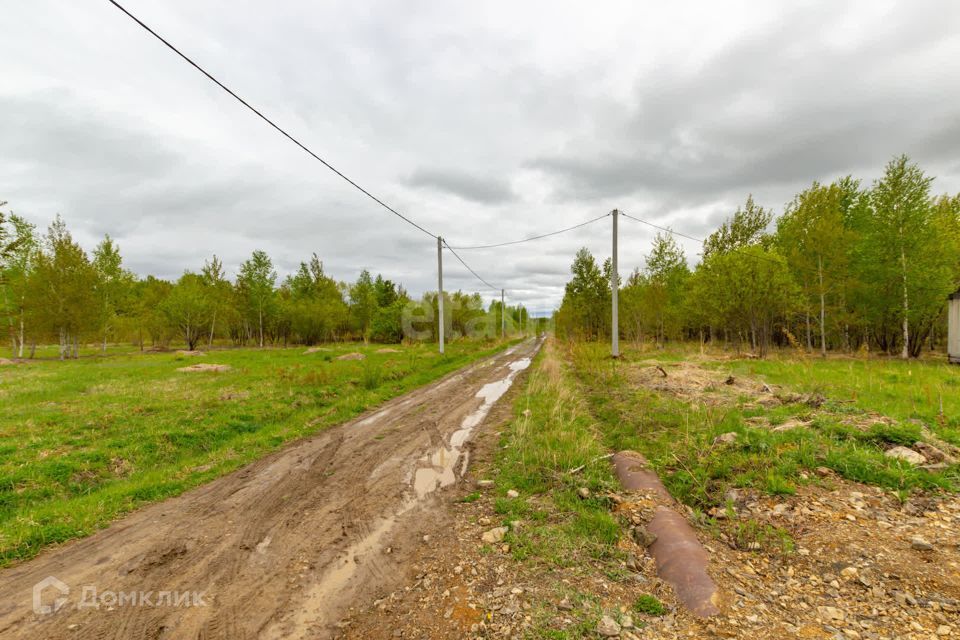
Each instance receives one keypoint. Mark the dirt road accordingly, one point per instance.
(279, 549)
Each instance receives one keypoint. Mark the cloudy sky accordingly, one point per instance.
(484, 122)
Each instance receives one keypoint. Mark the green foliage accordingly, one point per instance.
(88, 440)
(747, 290)
(188, 308)
(746, 228)
(255, 287)
(649, 605)
(63, 282)
(652, 303)
(846, 268)
(585, 310)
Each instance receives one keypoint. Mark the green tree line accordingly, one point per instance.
(844, 267)
(53, 291)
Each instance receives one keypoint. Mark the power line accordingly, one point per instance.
(667, 229)
(544, 235)
(268, 120)
(457, 256)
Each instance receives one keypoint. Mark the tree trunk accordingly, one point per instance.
(13, 335)
(20, 352)
(213, 325)
(823, 307)
(106, 321)
(63, 344)
(260, 314)
(905, 354)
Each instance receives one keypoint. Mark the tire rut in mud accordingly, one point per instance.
(278, 549)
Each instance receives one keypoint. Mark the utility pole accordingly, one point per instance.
(503, 317)
(440, 289)
(614, 285)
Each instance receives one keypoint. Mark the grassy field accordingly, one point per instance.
(839, 433)
(84, 441)
(549, 452)
(914, 389)
(552, 434)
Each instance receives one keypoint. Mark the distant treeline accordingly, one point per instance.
(51, 290)
(844, 267)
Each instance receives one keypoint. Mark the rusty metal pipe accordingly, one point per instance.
(681, 559)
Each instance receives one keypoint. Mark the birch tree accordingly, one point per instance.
(255, 284)
(812, 235)
(19, 265)
(113, 284)
(217, 289)
(903, 244)
(64, 282)
(188, 309)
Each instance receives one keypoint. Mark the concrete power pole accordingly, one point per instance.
(614, 285)
(440, 289)
(503, 317)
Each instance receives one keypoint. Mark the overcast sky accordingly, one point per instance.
(483, 121)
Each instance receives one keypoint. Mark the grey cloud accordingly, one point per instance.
(463, 185)
(762, 114)
(485, 123)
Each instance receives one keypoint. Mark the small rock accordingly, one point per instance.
(485, 483)
(512, 493)
(583, 492)
(626, 622)
(565, 605)
(903, 453)
(849, 572)
(823, 472)
(726, 438)
(608, 627)
(831, 614)
(352, 356)
(781, 509)
(495, 535)
(944, 630)
(643, 537)
(930, 452)
(921, 545)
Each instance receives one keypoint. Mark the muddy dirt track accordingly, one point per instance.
(281, 548)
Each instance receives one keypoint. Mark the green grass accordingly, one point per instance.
(905, 390)
(648, 605)
(678, 437)
(551, 435)
(85, 441)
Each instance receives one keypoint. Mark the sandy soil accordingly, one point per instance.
(281, 548)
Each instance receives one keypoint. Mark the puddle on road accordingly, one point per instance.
(439, 469)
